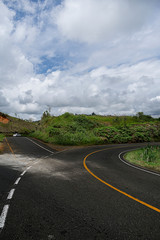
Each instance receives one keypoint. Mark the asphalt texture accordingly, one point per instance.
(59, 199)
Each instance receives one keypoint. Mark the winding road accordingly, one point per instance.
(77, 193)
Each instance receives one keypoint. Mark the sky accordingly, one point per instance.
(79, 56)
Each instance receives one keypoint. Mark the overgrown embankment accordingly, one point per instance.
(69, 129)
(148, 157)
(17, 125)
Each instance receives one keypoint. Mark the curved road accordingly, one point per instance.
(81, 193)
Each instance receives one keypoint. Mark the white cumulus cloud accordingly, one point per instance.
(92, 21)
(80, 56)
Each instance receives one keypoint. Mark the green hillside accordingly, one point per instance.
(17, 125)
(69, 129)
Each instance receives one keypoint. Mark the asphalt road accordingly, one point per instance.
(56, 197)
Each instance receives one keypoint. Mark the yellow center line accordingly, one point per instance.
(10, 147)
(116, 189)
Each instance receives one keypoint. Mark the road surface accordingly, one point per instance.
(80, 193)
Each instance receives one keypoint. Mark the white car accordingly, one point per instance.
(16, 135)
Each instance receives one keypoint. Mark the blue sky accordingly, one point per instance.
(79, 56)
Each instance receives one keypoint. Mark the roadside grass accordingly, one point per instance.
(70, 129)
(1, 137)
(148, 157)
(17, 125)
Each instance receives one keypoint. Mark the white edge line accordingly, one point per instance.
(60, 151)
(3, 216)
(39, 145)
(141, 169)
(28, 168)
(17, 181)
(23, 173)
(10, 195)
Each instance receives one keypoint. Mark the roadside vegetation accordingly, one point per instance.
(148, 157)
(1, 137)
(17, 125)
(70, 129)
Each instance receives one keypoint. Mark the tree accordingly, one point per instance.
(46, 114)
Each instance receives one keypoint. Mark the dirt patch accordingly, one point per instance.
(3, 118)
(1, 147)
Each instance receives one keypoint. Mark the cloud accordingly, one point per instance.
(155, 99)
(25, 97)
(3, 100)
(121, 90)
(79, 56)
(93, 21)
(14, 66)
(25, 6)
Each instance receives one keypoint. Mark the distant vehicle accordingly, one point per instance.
(16, 135)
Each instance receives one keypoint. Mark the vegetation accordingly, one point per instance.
(70, 129)
(148, 157)
(17, 125)
(1, 137)
(1, 145)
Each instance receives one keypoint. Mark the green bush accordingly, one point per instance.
(69, 129)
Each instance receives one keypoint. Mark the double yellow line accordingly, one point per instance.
(116, 189)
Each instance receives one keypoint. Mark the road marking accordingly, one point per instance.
(17, 181)
(3, 216)
(116, 189)
(10, 195)
(28, 168)
(39, 145)
(23, 173)
(9, 146)
(133, 166)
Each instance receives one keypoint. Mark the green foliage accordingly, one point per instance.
(46, 114)
(143, 117)
(1, 137)
(17, 125)
(70, 129)
(150, 153)
(146, 157)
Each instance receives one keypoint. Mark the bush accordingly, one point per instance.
(70, 129)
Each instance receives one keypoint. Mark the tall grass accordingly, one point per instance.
(151, 153)
(148, 157)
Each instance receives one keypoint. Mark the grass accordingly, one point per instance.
(67, 129)
(1, 137)
(17, 125)
(148, 157)
(70, 129)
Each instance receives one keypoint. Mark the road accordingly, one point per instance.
(80, 193)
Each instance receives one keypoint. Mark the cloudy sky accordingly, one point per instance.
(79, 56)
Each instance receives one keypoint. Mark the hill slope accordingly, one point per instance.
(15, 125)
(69, 129)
